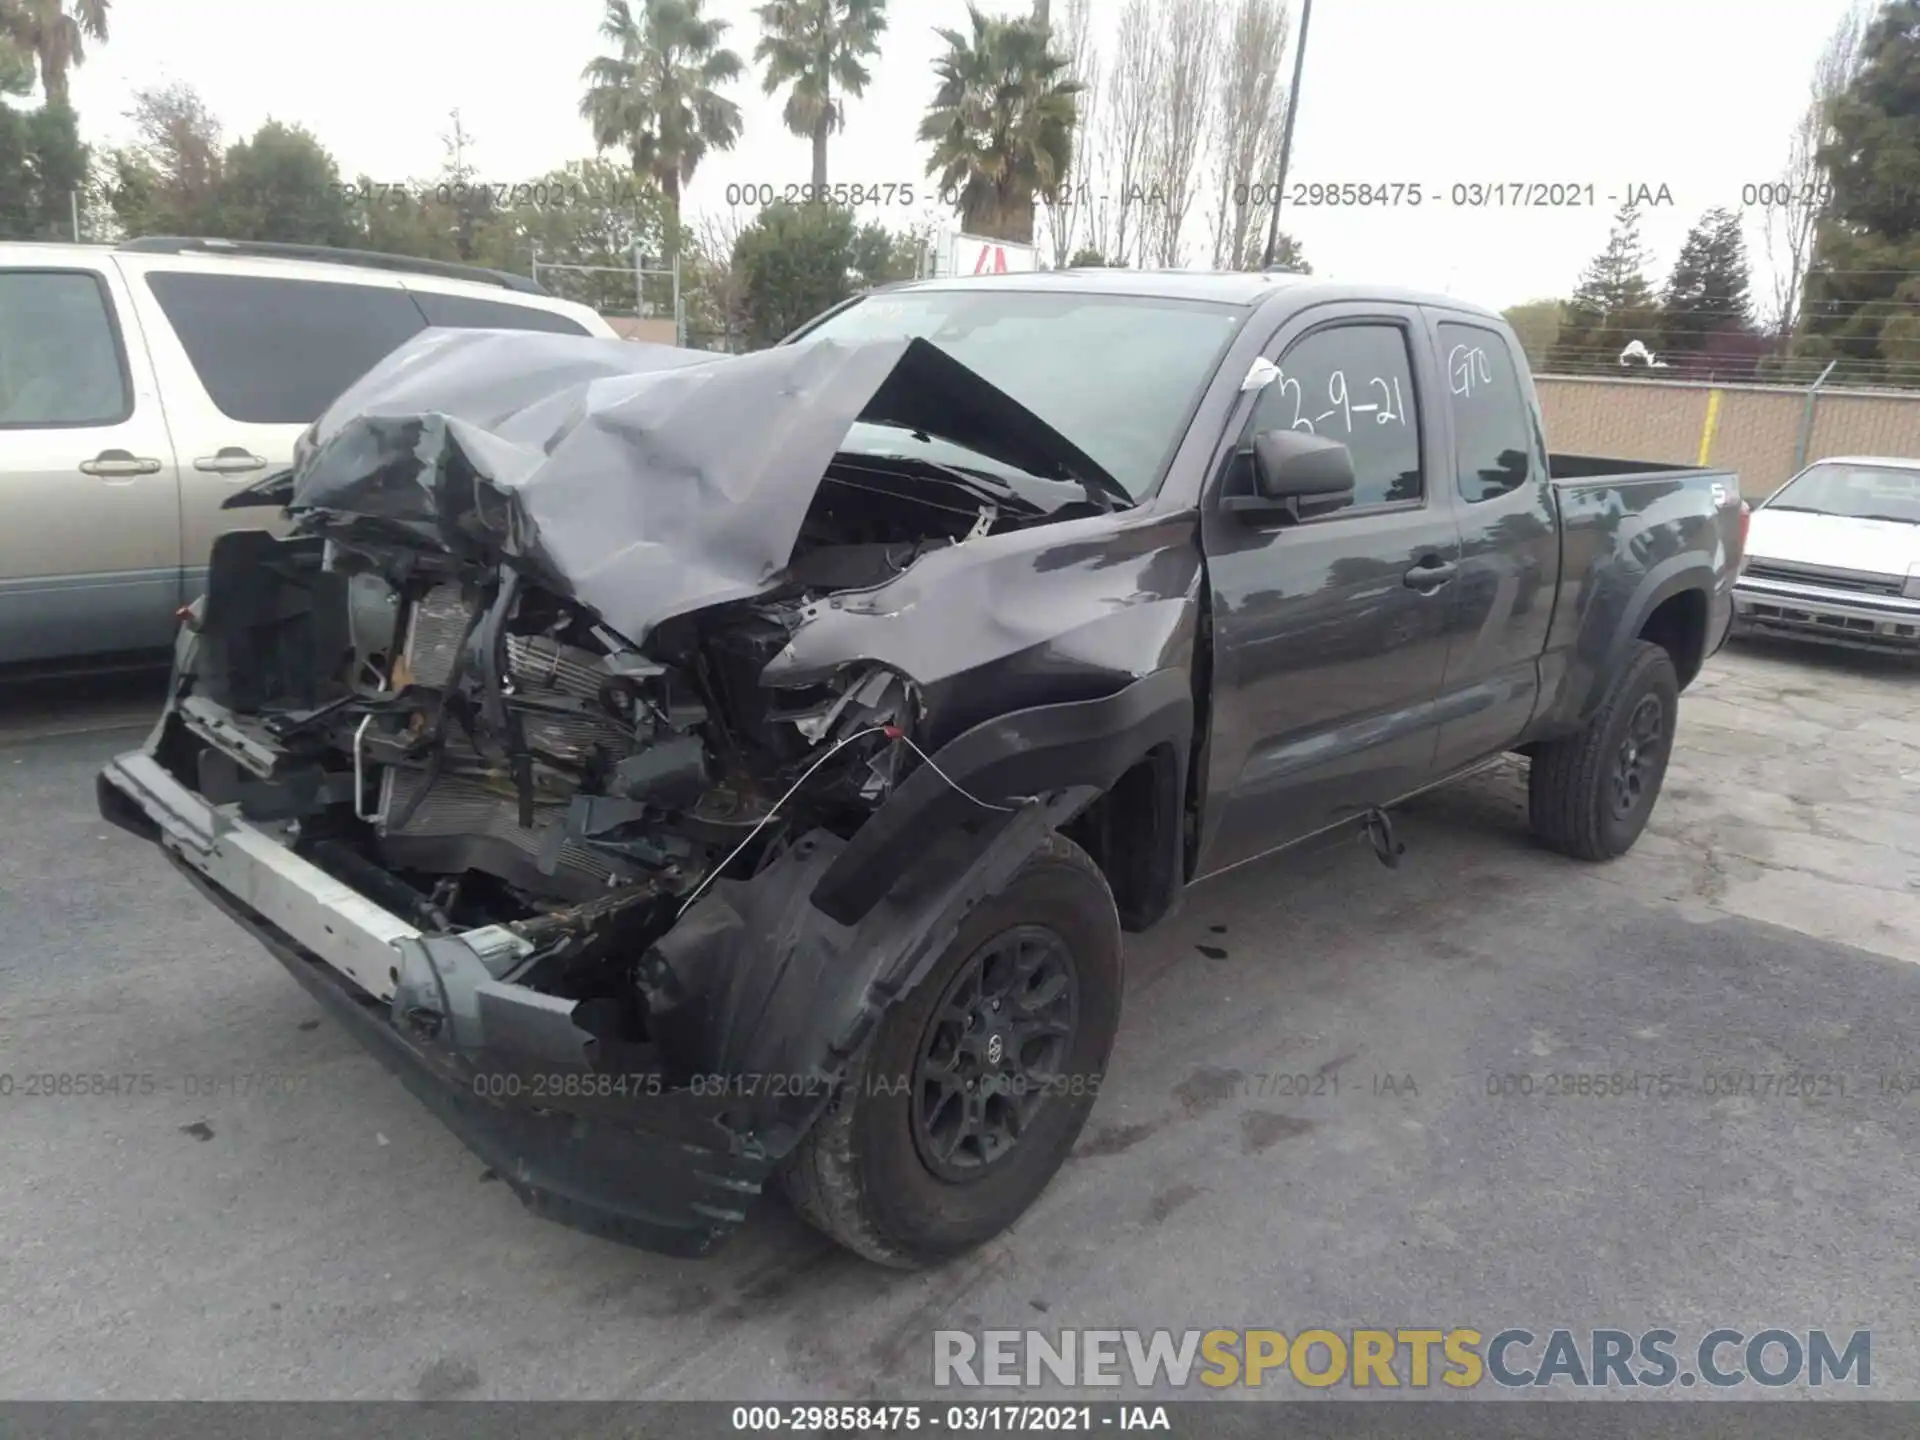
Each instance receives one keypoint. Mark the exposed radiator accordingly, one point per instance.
(460, 806)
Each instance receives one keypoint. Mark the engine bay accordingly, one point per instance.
(467, 748)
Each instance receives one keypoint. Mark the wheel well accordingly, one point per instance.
(1132, 833)
(1678, 625)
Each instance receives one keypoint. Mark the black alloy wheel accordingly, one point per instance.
(908, 1165)
(1640, 759)
(993, 1051)
(1591, 793)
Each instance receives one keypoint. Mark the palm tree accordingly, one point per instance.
(54, 34)
(1001, 124)
(659, 97)
(16, 65)
(816, 46)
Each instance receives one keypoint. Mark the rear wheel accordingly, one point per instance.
(976, 1085)
(1590, 794)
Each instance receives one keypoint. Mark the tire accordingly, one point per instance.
(1576, 786)
(869, 1172)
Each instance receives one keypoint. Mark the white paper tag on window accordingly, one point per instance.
(1262, 373)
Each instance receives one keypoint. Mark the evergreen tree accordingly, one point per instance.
(1864, 282)
(282, 185)
(1612, 305)
(1287, 256)
(42, 164)
(793, 262)
(1707, 292)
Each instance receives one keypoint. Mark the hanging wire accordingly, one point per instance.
(892, 732)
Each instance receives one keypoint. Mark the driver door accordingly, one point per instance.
(1330, 635)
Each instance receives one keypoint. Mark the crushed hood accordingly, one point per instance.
(642, 481)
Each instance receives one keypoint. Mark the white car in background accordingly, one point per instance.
(1834, 556)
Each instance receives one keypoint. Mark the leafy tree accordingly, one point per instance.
(816, 46)
(1001, 123)
(1804, 184)
(1863, 287)
(470, 204)
(1612, 305)
(55, 33)
(1087, 258)
(1708, 290)
(282, 185)
(589, 213)
(168, 181)
(880, 257)
(413, 223)
(714, 291)
(42, 163)
(658, 98)
(794, 261)
(1287, 255)
(447, 216)
(1537, 324)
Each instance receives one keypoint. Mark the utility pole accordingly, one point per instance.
(1286, 136)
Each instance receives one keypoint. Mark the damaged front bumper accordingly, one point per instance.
(763, 995)
(619, 1155)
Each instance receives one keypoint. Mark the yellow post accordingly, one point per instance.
(1706, 430)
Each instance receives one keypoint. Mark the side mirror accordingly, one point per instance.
(1295, 475)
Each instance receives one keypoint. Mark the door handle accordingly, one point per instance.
(232, 460)
(1431, 577)
(114, 464)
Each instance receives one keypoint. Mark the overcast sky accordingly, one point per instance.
(1695, 95)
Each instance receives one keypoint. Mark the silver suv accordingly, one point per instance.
(143, 384)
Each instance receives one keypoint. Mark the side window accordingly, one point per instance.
(60, 359)
(278, 352)
(1354, 384)
(1495, 442)
(463, 312)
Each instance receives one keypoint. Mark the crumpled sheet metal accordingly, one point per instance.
(642, 481)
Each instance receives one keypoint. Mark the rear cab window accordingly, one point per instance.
(1497, 446)
(62, 362)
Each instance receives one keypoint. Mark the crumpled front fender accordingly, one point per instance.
(758, 984)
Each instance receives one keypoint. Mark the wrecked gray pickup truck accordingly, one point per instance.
(690, 771)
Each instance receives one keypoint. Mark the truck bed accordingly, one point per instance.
(1638, 539)
(1607, 467)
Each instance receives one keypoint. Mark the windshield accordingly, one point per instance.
(1116, 375)
(1859, 492)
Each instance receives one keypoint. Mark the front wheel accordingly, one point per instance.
(1589, 795)
(976, 1085)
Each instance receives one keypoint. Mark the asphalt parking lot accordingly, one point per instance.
(318, 1235)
